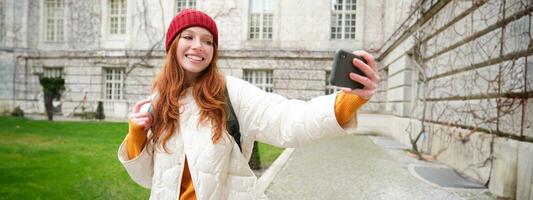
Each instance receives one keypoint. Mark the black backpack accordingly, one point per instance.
(232, 124)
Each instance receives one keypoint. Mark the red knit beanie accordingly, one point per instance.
(188, 18)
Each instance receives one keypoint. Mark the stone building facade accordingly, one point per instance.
(460, 74)
(110, 50)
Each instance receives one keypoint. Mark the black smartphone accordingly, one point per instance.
(341, 68)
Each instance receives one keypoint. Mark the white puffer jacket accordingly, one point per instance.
(221, 171)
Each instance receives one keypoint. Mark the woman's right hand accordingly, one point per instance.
(141, 118)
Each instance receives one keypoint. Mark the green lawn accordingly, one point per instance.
(69, 160)
(268, 153)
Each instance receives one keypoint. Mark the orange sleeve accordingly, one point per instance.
(346, 105)
(135, 140)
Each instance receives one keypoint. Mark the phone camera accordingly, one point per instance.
(343, 56)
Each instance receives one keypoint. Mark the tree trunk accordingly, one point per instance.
(48, 106)
(100, 111)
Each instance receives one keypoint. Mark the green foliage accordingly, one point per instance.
(52, 85)
(17, 112)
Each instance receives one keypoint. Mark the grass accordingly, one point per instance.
(268, 153)
(69, 160)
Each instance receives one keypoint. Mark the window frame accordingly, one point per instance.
(347, 23)
(192, 4)
(122, 18)
(113, 83)
(330, 88)
(265, 75)
(264, 23)
(46, 18)
(49, 71)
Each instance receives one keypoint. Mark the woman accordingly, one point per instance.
(183, 151)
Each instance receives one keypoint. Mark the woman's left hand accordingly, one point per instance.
(371, 81)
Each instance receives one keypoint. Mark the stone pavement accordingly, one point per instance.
(352, 167)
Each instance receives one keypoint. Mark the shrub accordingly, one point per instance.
(52, 87)
(17, 112)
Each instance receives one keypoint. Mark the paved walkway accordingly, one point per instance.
(352, 167)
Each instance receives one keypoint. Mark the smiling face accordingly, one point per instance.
(195, 51)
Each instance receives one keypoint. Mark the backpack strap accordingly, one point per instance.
(232, 124)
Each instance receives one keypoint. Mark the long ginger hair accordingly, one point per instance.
(208, 91)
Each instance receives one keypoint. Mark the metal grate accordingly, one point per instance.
(445, 177)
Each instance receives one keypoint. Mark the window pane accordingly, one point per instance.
(108, 90)
(260, 78)
(123, 7)
(256, 6)
(123, 25)
(114, 83)
(349, 26)
(330, 89)
(53, 71)
(59, 30)
(335, 26)
(336, 4)
(255, 25)
(54, 15)
(261, 18)
(343, 19)
(182, 4)
(351, 5)
(269, 5)
(117, 16)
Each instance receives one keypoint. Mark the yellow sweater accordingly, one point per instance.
(345, 107)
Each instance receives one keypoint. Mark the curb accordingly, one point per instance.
(269, 175)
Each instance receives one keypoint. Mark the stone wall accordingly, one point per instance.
(299, 54)
(296, 75)
(471, 64)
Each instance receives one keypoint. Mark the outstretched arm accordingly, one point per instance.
(348, 102)
(273, 119)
